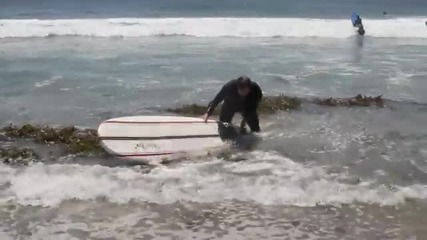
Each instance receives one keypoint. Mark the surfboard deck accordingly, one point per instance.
(159, 137)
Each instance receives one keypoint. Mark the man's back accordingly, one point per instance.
(231, 95)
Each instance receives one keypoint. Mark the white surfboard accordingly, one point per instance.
(158, 137)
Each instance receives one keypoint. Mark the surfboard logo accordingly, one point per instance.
(147, 146)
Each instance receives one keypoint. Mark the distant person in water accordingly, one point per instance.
(384, 13)
(239, 95)
(357, 22)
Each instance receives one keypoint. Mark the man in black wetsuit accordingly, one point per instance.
(239, 95)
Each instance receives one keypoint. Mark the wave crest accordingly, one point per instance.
(267, 178)
(211, 27)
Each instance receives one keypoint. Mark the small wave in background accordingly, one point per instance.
(212, 27)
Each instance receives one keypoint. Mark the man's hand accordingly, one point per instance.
(243, 124)
(205, 117)
(243, 127)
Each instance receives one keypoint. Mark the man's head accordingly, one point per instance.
(243, 86)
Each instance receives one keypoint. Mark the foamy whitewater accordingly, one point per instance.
(286, 183)
(212, 27)
(320, 172)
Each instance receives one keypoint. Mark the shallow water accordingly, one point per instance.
(85, 80)
(319, 173)
(234, 220)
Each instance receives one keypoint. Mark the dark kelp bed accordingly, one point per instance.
(272, 104)
(86, 142)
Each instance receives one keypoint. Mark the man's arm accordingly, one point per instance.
(258, 94)
(217, 100)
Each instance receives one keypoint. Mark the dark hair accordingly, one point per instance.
(243, 82)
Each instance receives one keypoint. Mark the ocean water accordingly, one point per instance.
(319, 173)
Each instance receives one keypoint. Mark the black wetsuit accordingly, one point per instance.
(234, 103)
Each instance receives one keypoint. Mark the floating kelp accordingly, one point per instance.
(75, 140)
(272, 104)
(359, 100)
(192, 110)
(25, 131)
(15, 155)
(269, 105)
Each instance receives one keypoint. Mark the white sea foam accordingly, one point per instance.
(212, 27)
(47, 82)
(272, 179)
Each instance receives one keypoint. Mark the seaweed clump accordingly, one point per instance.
(359, 100)
(268, 105)
(192, 110)
(272, 104)
(75, 140)
(14, 155)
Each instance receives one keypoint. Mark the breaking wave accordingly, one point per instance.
(212, 27)
(272, 179)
